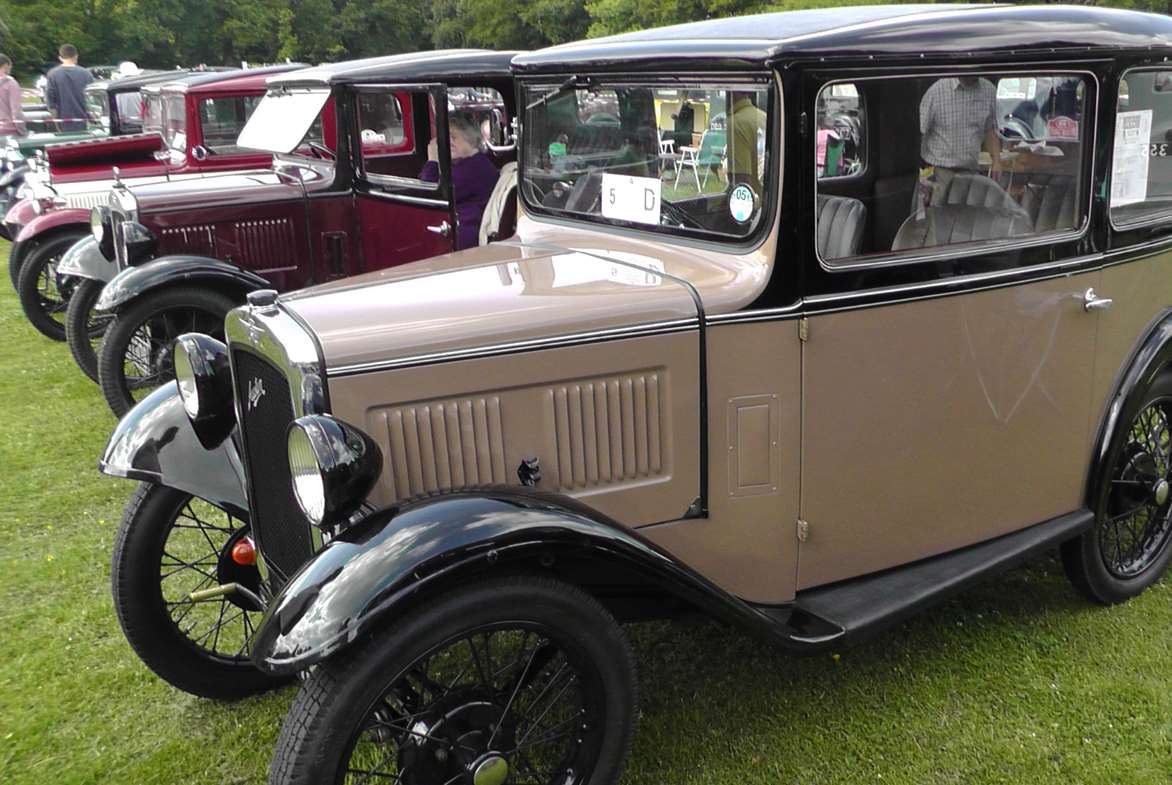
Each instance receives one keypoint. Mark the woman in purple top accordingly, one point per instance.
(473, 176)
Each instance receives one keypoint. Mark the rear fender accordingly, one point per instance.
(155, 443)
(134, 282)
(84, 259)
(381, 567)
(1150, 358)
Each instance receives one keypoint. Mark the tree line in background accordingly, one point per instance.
(165, 33)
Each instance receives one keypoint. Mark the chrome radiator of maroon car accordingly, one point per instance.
(266, 408)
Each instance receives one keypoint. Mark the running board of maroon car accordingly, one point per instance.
(842, 614)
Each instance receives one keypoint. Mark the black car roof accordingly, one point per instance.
(210, 77)
(891, 30)
(439, 64)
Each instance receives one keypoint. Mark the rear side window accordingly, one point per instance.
(388, 145)
(1141, 165)
(955, 162)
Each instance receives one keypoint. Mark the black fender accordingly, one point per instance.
(179, 269)
(402, 555)
(85, 259)
(1152, 355)
(155, 443)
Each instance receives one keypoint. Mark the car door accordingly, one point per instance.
(947, 369)
(403, 201)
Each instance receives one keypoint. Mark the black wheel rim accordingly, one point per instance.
(504, 702)
(147, 360)
(1136, 517)
(193, 559)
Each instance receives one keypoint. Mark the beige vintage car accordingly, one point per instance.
(893, 317)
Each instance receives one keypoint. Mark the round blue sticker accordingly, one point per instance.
(741, 203)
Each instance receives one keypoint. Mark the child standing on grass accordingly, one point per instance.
(11, 115)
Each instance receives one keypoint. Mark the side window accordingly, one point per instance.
(840, 147)
(221, 120)
(976, 160)
(386, 135)
(1141, 164)
(485, 107)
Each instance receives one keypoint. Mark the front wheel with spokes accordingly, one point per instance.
(169, 545)
(522, 680)
(135, 355)
(1130, 546)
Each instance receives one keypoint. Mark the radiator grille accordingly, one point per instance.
(607, 430)
(443, 445)
(198, 239)
(281, 529)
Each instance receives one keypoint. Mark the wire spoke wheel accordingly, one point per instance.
(1136, 520)
(169, 545)
(44, 295)
(504, 701)
(191, 561)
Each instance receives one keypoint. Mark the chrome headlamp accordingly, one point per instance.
(205, 386)
(333, 465)
(139, 242)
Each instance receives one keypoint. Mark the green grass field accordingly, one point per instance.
(1019, 682)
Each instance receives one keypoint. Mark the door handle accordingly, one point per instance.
(443, 230)
(1093, 302)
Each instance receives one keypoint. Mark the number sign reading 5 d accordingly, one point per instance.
(626, 198)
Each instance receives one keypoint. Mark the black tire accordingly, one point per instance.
(340, 702)
(41, 299)
(84, 327)
(142, 335)
(14, 263)
(1130, 546)
(146, 575)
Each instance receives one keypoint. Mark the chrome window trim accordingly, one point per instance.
(892, 259)
(418, 200)
(513, 347)
(275, 335)
(1164, 216)
(437, 91)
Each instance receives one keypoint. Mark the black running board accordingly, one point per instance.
(842, 614)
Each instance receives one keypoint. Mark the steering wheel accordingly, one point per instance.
(671, 215)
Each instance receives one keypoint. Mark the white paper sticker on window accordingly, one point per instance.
(1129, 171)
(626, 198)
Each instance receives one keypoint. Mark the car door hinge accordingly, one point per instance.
(803, 329)
(803, 530)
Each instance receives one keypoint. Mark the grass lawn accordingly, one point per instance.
(1019, 682)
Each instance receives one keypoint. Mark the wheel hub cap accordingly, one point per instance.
(492, 769)
(1160, 492)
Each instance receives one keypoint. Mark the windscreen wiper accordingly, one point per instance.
(569, 84)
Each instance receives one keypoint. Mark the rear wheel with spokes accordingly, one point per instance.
(171, 544)
(522, 680)
(1131, 544)
(135, 356)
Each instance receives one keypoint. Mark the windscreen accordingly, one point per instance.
(685, 158)
(282, 119)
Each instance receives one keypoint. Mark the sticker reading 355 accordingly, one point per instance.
(741, 203)
(626, 198)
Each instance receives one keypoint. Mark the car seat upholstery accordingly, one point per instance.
(1050, 199)
(841, 221)
(972, 208)
(500, 214)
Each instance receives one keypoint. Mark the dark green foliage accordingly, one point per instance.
(164, 33)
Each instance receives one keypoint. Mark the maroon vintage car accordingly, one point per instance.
(379, 201)
(193, 123)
